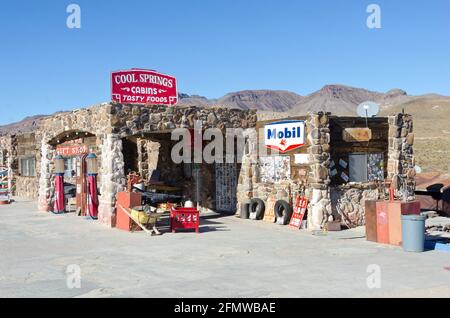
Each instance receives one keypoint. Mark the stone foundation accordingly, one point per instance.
(348, 202)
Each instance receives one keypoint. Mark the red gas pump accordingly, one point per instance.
(60, 204)
(92, 171)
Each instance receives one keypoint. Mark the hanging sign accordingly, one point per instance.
(285, 135)
(143, 87)
(72, 150)
(357, 134)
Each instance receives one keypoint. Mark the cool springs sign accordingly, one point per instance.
(285, 135)
(137, 86)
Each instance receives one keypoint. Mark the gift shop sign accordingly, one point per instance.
(144, 87)
(284, 135)
(72, 150)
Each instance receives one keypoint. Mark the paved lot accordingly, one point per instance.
(229, 258)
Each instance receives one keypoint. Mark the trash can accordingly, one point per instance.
(413, 233)
(245, 210)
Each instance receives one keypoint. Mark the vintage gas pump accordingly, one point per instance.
(59, 205)
(92, 171)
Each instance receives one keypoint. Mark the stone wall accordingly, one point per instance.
(9, 153)
(348, 202)
(26, 186)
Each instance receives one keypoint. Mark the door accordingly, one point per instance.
(226, 187)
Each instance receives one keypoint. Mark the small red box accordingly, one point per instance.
(382, 222)
(184, 218)
(395, 211)
(127, 200)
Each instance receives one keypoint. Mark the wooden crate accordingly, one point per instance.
(269, 214)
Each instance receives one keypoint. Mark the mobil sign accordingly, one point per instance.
(285, 135)
(138, 86)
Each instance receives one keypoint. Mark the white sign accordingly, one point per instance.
(285, 135)
(301, 158)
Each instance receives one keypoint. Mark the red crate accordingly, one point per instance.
(184, 218)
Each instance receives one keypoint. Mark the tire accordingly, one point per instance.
(283, 212)
(257, 208)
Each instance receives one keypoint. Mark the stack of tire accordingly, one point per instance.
(283, 211)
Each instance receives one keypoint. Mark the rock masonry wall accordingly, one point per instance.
(112, 122)
(331, 203)
(401, 161)
(318, 192)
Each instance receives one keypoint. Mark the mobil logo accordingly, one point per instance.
(285, 135)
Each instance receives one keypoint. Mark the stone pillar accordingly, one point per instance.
(401, 160)
(45, 176)
(248, 175)
(9, 165)
(113, 178)
(318, 191)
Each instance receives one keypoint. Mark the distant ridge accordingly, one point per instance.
(337, 99)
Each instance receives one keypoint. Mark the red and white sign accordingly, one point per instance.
(72, 150)
(301, 204)
(285, 135)
(143, 87)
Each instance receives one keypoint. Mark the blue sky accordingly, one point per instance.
(215, 47)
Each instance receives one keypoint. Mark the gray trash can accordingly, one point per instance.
(413, 233)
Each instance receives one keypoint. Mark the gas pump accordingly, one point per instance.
(59, 203)
(92, 172)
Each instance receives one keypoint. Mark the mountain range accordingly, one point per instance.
(337, 99)
(431, 113)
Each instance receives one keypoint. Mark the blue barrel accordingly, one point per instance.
(413, 233)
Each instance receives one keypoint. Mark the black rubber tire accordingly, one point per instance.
(257, 207)
(283, 212)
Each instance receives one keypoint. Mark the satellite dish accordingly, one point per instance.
(418, 169)
(368, 109)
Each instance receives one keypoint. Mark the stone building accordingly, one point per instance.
(335, 171)
(19, 153)
(138, 138)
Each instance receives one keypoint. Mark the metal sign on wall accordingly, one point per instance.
(285, 135)
(143, 87)
(356, 134)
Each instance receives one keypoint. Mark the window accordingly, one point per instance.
(357, 166)
(366, 167)
(70, 167)
(28, 167)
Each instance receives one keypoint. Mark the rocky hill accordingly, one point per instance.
(265, 100)
(431, 113)
(26, 125)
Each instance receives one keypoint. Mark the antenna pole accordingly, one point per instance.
(367, 123)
